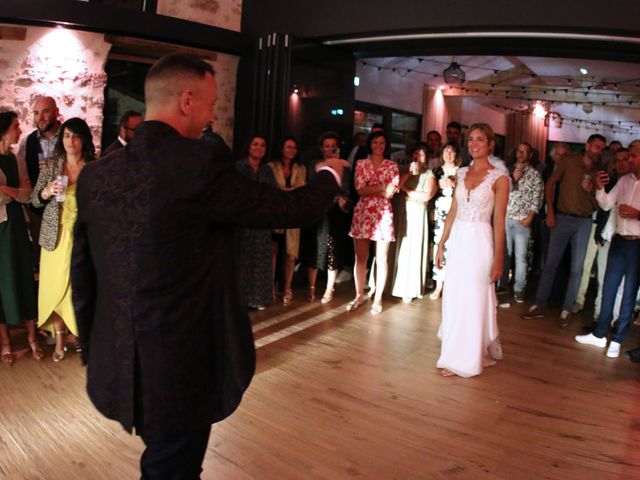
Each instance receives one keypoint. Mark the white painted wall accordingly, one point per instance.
(579, 133)
(473, 112)
(389, 89)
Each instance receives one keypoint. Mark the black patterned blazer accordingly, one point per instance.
(169, 347)
(49, 230)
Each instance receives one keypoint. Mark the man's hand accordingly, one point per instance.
(628, 212)
(602, 178)
(517, 174)
(526, 221)
(551, 220)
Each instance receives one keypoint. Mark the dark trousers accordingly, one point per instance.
(623, 262)
(174, 458)
(568, 230)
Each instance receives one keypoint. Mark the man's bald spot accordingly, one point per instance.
(45, 102)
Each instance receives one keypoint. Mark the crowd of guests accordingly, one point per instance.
(388, 224)
(37, 215)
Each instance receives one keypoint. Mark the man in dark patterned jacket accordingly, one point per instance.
(168, 343)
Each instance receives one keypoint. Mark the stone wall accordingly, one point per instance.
(226, 67)
(223, 14)
(219, 13)
(69, 66)
(65, 64)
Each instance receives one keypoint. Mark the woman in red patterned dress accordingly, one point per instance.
(376, 181)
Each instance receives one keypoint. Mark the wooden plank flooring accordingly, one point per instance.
(350, 396)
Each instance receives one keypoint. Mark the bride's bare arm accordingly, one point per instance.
(501, 187)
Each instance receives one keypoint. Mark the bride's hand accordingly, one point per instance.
(496, 270)
(440, 257)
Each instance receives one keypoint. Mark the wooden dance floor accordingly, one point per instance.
(350, 396)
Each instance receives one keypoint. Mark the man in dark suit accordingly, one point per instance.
(168, 342)
(126, 131)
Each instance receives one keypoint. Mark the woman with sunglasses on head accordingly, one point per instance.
(55, 190)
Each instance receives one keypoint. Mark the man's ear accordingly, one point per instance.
(186, 101)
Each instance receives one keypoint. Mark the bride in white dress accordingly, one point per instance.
(475, 246)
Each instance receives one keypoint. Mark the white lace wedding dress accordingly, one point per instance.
(469, 330)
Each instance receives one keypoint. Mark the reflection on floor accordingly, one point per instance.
(342, 395)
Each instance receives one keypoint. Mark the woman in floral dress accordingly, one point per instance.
(376, 181)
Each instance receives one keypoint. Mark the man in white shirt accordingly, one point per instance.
(624, 255)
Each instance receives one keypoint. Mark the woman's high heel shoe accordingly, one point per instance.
(58, 355)
(312, 294)
(327, 297)
(36, 351)
(287, 298)
(7, 356)
(355, 303)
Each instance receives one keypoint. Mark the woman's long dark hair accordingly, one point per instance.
(79, 127)
(456, 149)
(244, 151)
(278, 157)
(6, 118)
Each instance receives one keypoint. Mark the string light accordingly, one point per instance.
(483, 87)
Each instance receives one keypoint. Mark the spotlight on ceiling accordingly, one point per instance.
(583, 70)
(453, 74)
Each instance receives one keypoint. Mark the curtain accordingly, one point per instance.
(526, 127)
(438, 110)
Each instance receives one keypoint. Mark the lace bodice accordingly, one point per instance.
(476, 205)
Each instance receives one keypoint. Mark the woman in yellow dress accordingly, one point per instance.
(55, 190)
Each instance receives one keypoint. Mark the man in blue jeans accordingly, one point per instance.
(623, 260)
(575, 176)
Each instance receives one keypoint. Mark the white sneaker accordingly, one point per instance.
(614, 350)
(591, 339)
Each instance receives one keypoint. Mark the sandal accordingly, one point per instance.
(287, 298)
(447, 373)
(312, 294)
(355, 303)
(327, 297)
(376, 309)
(58, 355)
(36, 351)
(6, 356)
